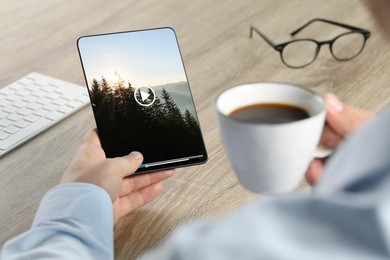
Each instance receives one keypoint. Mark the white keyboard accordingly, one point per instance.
(34, 103)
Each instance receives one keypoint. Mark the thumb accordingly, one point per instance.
(126, 165)
(342, 119)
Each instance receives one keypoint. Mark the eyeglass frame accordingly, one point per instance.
(279, 47)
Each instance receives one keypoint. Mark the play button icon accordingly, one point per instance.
(145, 96)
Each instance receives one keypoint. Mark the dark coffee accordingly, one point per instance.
(270, 113)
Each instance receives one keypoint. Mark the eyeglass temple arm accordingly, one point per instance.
(261, 35)
(326, 21)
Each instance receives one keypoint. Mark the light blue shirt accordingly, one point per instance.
(346, 217)
(73, 221)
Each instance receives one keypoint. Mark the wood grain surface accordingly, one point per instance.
(218, 53)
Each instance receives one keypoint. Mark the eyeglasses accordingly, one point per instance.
(300, 53)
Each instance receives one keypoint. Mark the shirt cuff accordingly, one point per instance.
(86, 203)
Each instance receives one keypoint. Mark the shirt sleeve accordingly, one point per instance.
(73, 221)
(346, 217)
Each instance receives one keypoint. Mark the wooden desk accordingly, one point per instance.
(41, 36)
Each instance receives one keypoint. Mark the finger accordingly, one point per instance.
(138, 198)
(137, 182)
(91, 147)
(125, 165)
(342, 119)
(92, 137)
(314, 171)
(329, 138)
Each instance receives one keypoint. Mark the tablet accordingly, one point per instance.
(141, 98)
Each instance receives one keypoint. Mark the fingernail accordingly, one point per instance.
(334, 102)
(332, 143)
(136, 155)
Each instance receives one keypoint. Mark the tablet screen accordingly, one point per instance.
(141, 98)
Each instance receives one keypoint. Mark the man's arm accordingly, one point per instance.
(74, 221)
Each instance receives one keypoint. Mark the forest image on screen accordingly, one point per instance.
(140, 95)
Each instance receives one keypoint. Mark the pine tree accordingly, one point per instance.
(106, 91)
(129, 101)
(96, 95)
(170, 108)
(174, 125)
(158, 109)
(119, 85)
(190, 121)
(118, 93)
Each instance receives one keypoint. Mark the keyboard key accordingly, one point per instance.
(22, 83)
(3, 114)
(10, 109)
(51, 107)
(83, 98)
(24, 111)
(71, 94)
(31, 118)
(12, 97)
(7, 91)
(41, 112)
(38, 93)
(54, 115)
(44, 89)
(53, 85)
(11, 129)
(22, 92)
(53, 95)
(3, 135)
(14, 86)
(43, 101)
(29, 98)
(34, 106)
(62, 90)
(5, 122)
(30, 86)
(19, 104)
(64, 109)
(60, 101)
(14, 117)
(22, 123)
(4, 103)
(74, 104)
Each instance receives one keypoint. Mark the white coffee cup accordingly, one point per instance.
(270, 158)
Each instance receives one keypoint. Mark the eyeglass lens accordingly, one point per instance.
(299, 53)
(348, 45)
